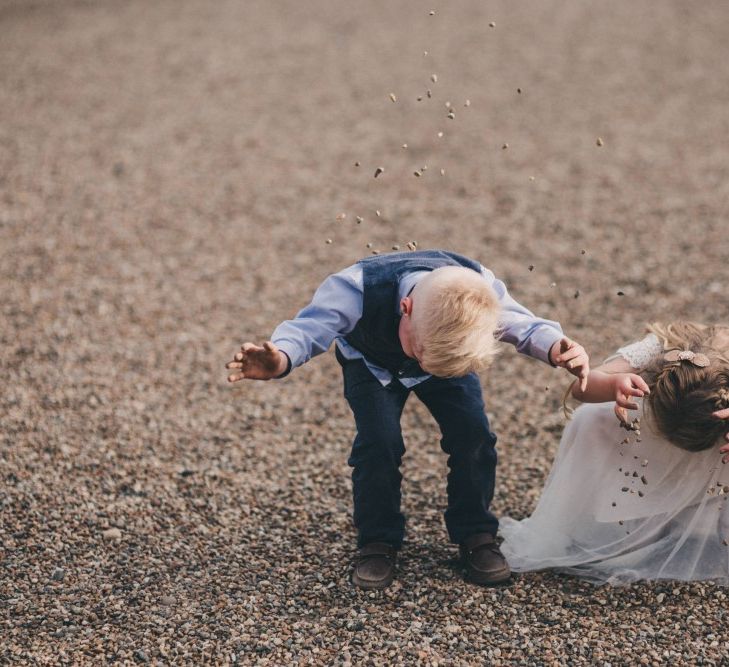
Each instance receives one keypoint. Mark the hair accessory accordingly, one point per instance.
(677, 356)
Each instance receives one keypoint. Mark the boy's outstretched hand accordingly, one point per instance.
(569, 354)
(255, 362)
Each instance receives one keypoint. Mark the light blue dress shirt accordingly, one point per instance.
(336, 308)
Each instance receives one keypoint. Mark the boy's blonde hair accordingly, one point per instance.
(454, 319)
(683, 395)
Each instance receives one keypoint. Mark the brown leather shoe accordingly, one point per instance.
(375, 566)
(483, 562)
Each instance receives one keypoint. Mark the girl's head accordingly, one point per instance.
(684, 392)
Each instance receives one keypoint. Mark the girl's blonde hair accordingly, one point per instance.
(683, 395)
(455, 317)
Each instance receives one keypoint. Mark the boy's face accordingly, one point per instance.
(406, 331)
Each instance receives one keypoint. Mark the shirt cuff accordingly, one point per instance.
(288, 366)
(541, 342)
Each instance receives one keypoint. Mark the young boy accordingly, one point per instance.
(421, 322)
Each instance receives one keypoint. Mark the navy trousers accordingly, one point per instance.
(458, 408)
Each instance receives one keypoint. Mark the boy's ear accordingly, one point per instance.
(406, 306)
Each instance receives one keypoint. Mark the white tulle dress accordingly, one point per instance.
(616, 511)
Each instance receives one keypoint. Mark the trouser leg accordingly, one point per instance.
(376, 455)
(457, 405)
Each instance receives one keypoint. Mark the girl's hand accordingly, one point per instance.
(724, 449)
(256, 362)
(625, 386)
(569, 354)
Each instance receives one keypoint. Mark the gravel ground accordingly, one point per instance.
(170, 173)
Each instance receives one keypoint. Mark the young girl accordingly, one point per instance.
(641, 498)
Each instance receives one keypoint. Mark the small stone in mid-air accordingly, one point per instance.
(621, 293)
(377, 213)
(600, 142)
(429, 93)
(434, 78)
(378, 171)
(393, 97)
(451, 115)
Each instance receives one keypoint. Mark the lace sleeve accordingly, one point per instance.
(640, 353)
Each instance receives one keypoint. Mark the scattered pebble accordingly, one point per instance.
(417, 173)
(442, 172)
(531, 267)
(467, 103)
(518, 90)
(393, 97)
(451, 115)
(577, 294)
(359, 219)
(505, 146)
(428, 92)
(434, 78)
(599, 142)
(112, 534)
(492, 24)
(378, 171)
(341, 216)
(328, 241)
(396, 247)
(404, 145)
(58, 574)
(621, 293)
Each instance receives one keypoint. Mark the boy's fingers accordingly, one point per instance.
(635, 392)
(234, 364)
(238, 356)
(583, 383)
(269, 346)
(572, 353)
(249, 347)
(234, 377)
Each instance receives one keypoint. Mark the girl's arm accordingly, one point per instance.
(615, 381)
